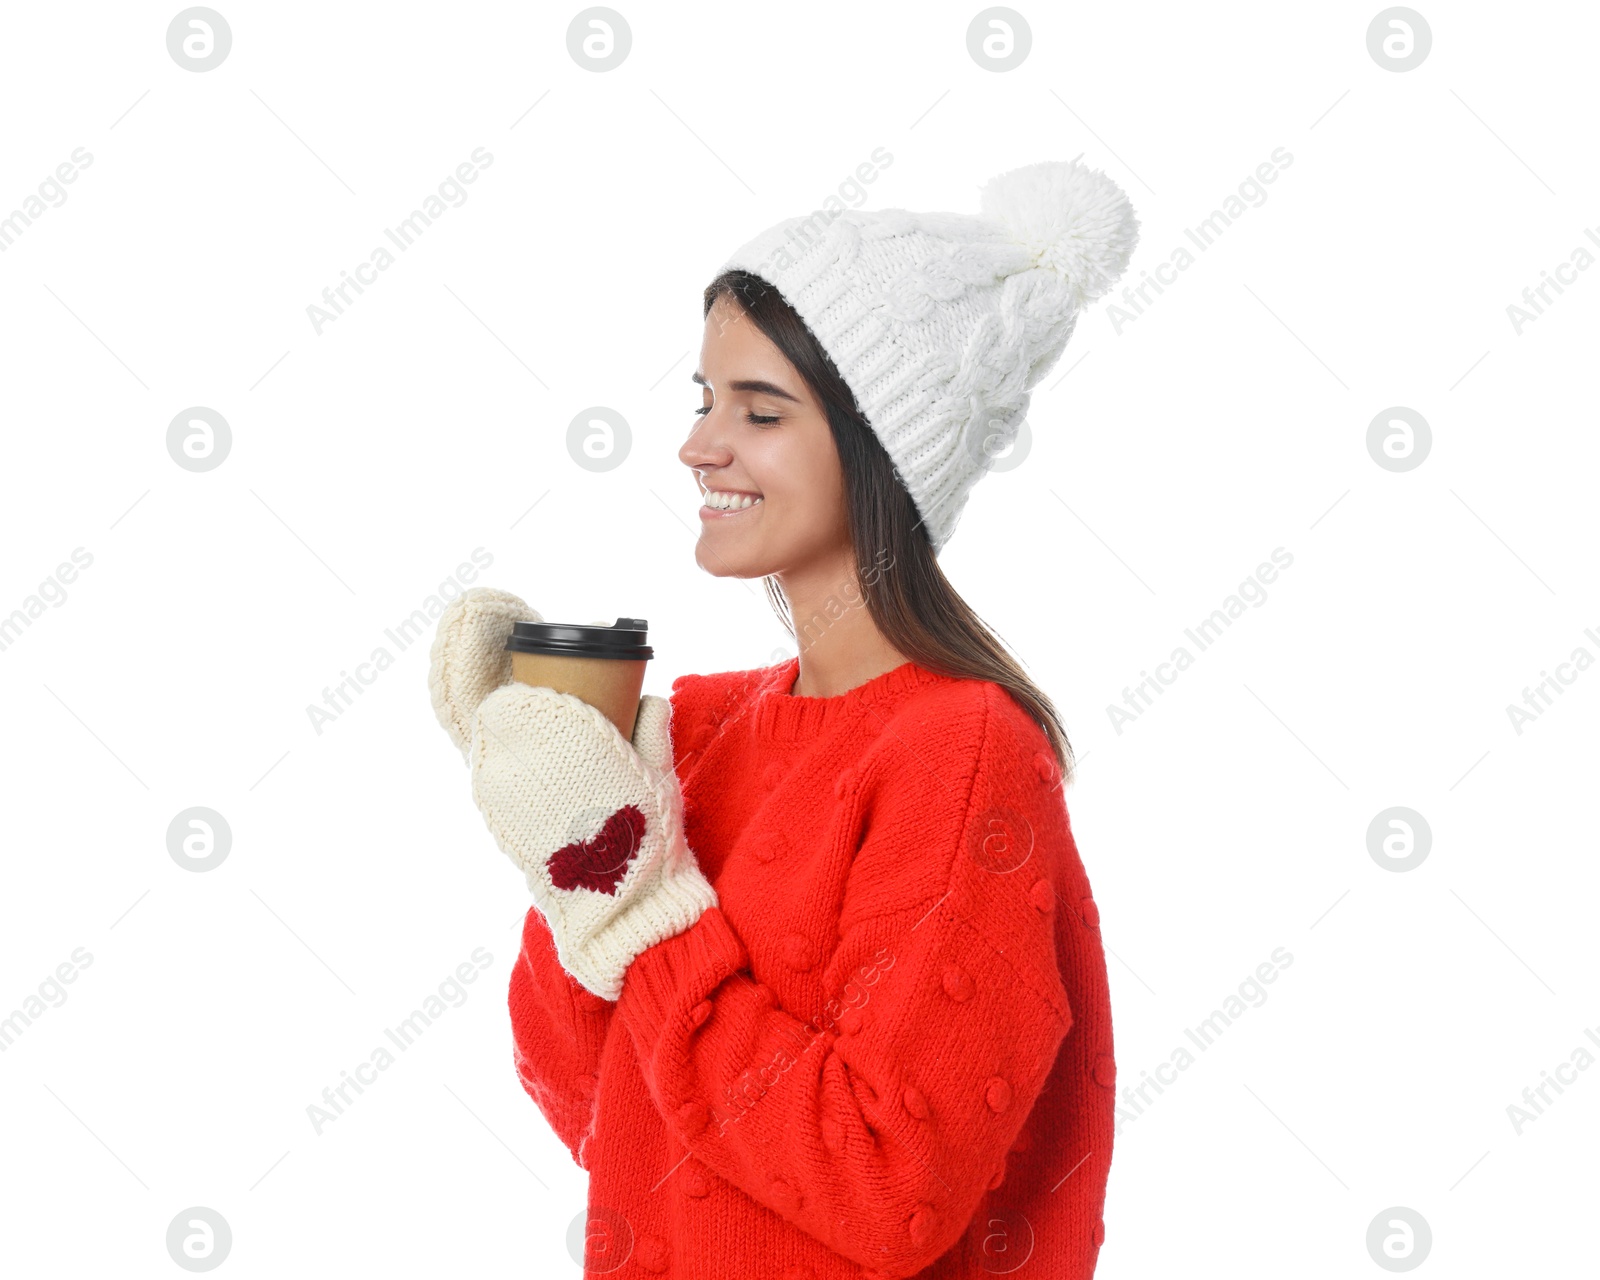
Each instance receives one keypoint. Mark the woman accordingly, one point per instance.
(813, 984)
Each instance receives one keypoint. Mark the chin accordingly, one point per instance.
(728, 564)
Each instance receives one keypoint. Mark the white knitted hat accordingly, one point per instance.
(941, 323)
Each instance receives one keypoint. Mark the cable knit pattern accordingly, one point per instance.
(887, 1050)
(942, 323)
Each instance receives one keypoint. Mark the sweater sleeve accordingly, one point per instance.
(558, 1030)
(558, 1025)
(878, 1124)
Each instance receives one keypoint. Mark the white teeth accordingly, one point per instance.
(720, 500)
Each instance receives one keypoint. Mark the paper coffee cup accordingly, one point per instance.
(604, 666)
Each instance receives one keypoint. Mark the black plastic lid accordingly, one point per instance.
(625, 638)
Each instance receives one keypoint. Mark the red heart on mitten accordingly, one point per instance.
(600, 862)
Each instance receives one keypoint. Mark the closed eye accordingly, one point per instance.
(754, 419)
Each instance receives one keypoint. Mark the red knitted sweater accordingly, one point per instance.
(887, 1052)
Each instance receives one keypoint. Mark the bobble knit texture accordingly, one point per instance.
(887, 1050)
(942, 323)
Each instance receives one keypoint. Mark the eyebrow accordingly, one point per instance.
(752, 384)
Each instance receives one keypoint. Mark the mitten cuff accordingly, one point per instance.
(671, 907)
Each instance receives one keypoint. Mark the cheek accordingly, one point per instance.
(808, 488)
(804, 460)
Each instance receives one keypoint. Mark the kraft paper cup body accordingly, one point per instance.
(612, 685)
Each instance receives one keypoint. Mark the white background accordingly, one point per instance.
(368, 461)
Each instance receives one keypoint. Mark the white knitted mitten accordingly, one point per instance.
(469, 659)
(594, 821)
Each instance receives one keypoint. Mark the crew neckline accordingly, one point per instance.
(781, 714)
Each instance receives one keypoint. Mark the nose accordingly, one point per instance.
(706, 445)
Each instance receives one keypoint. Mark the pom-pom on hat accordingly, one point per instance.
(942, 323)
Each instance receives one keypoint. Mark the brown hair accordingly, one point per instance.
(915, 607)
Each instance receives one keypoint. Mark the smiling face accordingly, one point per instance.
(763, 456)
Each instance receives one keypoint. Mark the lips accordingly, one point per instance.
(600, 862)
